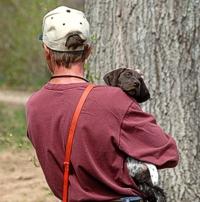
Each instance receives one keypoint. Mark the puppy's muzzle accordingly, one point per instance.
(132, 87)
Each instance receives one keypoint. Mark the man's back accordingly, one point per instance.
(109, 128)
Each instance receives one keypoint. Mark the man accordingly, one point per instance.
(108, 129)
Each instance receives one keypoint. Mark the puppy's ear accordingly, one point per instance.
(112, 77)
(144, 93)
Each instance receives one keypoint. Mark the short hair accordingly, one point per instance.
(69, 57)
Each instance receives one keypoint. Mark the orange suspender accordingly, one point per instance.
(70, 139)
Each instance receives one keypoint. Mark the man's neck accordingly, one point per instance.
(76, 69)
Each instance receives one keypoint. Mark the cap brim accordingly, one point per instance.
(41, 37)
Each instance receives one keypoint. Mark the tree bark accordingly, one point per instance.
(162, 38)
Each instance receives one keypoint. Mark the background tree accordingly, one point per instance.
(162, 39)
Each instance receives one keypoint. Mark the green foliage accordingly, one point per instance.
(13, 127)
(50, 193)
(94, 38)
(22, 63)
(89, 76)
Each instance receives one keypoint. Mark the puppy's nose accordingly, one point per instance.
(136, 83)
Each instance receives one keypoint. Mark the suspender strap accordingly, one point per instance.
(70, 139)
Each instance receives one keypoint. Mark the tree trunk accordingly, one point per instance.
(160, 37)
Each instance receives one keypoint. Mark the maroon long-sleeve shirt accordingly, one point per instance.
(110, 127)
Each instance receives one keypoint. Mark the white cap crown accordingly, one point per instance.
(61, 23)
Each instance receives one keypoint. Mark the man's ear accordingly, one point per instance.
(89, 51)
(112, 77)
(47, 52)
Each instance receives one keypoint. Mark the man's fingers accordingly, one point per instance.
(139, 72)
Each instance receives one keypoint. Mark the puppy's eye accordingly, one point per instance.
(128, 74)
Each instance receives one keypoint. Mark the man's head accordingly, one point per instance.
(66, 32)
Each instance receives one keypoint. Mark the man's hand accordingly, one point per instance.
(139, 72)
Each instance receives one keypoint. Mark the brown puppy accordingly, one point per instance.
(129, 81)
(133, 84)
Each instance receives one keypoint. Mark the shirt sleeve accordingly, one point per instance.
(142, 139)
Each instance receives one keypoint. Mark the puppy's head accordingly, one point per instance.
(129, 81)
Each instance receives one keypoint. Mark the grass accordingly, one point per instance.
(13, 127)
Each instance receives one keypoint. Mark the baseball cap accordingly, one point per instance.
(61, 23)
